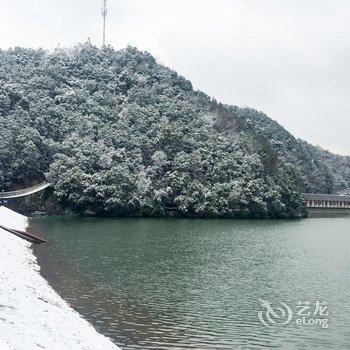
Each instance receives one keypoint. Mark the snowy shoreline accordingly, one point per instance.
(32, 314)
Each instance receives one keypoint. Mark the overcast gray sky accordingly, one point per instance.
(287, 58)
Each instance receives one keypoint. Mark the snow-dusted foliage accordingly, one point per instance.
(119, 134)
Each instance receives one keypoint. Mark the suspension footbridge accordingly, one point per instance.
(25, 192)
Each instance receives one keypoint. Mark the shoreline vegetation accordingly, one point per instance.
(32, 314)
(119, 134)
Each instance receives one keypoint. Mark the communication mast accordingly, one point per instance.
(104, 14)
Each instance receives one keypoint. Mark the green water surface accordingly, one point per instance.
(196, 284)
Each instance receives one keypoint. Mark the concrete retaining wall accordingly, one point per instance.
(328, 212)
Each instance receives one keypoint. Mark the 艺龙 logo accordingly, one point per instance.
(308, 314)
(279, 316)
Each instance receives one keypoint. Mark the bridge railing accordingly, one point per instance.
(24, 192)
(326, 201)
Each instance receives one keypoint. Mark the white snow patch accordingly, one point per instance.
(32, 315)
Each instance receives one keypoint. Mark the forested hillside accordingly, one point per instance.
(119, 134)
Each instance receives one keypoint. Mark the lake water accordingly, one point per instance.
(196, 284)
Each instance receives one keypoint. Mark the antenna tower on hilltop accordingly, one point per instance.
(104, 14)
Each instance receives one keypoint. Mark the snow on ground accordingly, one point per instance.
(32, 315)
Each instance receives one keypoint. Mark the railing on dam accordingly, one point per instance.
(327, 201)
